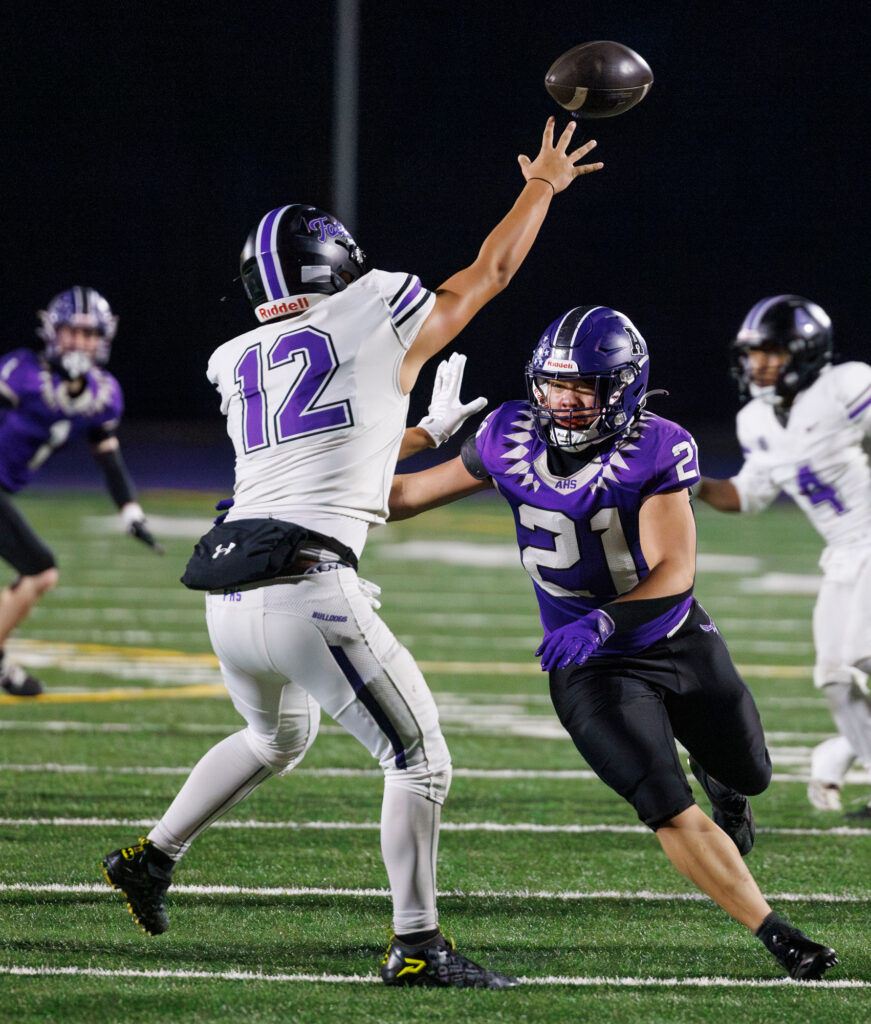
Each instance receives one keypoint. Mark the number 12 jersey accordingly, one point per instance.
(314, 407)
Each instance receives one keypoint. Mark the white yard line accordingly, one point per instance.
(372, 826)
(548, 980)
(642, 895)
(568, 775)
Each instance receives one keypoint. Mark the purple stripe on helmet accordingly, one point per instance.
(414, 290)
(364, 695)
(751, 321)
(265, 253)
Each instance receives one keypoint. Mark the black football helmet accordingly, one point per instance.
(297, 252)
(600, 345)
(799, 326)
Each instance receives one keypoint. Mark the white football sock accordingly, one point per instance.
(831, 760)
(221, 778)
(409, 846)
(851, 711)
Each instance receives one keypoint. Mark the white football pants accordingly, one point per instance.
(288, 649)
(842, 638)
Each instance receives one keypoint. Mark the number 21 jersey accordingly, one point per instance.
(579, 534)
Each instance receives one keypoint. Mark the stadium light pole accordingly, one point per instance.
(347, 60)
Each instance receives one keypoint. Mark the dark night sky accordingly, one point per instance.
(144, 140)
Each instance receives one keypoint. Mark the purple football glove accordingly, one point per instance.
(575, 641)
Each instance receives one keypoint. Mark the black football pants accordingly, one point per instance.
(20, 545)
(625, 712)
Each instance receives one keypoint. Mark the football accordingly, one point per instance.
(599, 79)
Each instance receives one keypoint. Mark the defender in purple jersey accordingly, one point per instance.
(598, 488)
(46, 400)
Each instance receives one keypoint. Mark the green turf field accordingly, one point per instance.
(280, 913)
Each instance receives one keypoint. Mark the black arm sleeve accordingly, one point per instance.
(630, 614)
(472, 460)
(117, 478)
(102, 432)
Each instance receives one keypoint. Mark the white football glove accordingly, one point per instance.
(371, 591)
(136, 525)
(446, 412)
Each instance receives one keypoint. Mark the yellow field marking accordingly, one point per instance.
(21, 648)
(107, 696)
(68, 654)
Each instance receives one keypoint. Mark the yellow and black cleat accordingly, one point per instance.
(436, 963)
(143, 873)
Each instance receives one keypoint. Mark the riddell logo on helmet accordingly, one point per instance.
(560, 364)
(282, 308)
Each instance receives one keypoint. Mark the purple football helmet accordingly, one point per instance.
(77, 307)
(799, 326)
(297, 252)
(602, 347)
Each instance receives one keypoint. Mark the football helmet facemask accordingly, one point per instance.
(797, 325)
(77, 307)
(297, 252)
(602, 348)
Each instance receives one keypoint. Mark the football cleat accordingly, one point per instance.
(18, 683)
(135, 871)
(730, 809)
(825, 796)
(863, 814)
(803, 959)
(436, 963)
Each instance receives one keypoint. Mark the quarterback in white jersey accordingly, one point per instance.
(316, 400)
(804, 433)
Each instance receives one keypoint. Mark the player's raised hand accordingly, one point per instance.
(446, 412)
(554, 163)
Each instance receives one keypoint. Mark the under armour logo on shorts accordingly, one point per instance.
(221, 550)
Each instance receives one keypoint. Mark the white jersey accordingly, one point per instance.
(314, 408)
(817, 457)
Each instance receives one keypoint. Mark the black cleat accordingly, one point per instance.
(18, 683)
(436, 963)
(730, 809)
(802, 959)
(135, 871)
(863, 814)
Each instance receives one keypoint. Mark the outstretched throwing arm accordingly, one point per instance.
(504, 250)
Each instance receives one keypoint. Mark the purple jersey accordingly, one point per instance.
(39, 416)
(578, 535)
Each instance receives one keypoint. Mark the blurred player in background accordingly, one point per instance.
(46, 399)
(316, 401)
(598, 488)
(803, 430)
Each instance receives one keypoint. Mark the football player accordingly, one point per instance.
(803, 430)
(316, 399)
(598, 488)
(46, 399)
